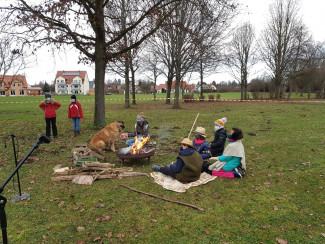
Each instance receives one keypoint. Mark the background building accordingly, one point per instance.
(71, 82)
(11, 85)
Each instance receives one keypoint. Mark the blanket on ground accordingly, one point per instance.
(172, 184)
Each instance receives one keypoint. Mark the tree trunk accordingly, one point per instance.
(169, 87)
(290, 90)
(323, 90)
(309, 89)
(100, 67)
(133, 84)
(127, 85)
(201, 79)
(176, 97)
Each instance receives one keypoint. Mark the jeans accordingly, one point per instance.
(50, 121)
(129, 142)
(76, 123)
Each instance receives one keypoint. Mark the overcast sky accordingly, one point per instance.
(256, 11)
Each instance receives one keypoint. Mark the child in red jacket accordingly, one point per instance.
(75, 113)
(49, 106)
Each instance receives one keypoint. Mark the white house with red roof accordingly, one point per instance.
(71, 82)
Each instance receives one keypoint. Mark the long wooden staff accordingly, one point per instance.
(193, 124)
(164, 199)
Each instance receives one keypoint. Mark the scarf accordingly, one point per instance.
(218, 127)
(198, 141)
(235, 149)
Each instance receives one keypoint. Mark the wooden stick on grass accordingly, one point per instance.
(193, 124)
(164, 199)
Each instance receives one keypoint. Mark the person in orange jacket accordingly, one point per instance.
(75, 114)
(49, 106)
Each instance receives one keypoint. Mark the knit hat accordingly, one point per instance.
(221, 122)
(47, 95)
(141, 117)
(187, 142)
(73, 97)
(200, 131)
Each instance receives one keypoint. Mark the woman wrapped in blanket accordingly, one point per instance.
(232, 158)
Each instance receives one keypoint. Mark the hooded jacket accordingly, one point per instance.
(50, 108)
(218, 144)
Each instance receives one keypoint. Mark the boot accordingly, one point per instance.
(78, 132)
(75, 133)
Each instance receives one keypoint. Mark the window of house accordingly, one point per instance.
(13, 93)
(21, 92)
(19, 84)
(1, 84)
(2, 93)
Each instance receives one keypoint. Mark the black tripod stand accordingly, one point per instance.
(3, 200)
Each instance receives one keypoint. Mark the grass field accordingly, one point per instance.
(281, 197)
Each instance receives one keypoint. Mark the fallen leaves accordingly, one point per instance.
(103, 218)
(109, 234)
(217, 196)
(207, 231)
(61, 204)
(120, 236)
(80, 228)
(281, 241)
(275, 208)
(101, 205)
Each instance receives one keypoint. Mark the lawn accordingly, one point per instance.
(281, 197)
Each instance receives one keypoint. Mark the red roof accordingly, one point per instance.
(8, 79)
(159, 87)
(182, 84)
(190, 87)
(70, 75)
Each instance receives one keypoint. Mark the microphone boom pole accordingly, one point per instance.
(3, 200)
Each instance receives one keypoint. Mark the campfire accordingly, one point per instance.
(137, 150)
(138, 144)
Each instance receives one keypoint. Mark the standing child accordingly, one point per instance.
(75, 113)
(49, 106)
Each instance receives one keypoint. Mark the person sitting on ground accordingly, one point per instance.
(218, 144)
(141, 129)
(232, 163)
(187, 167)
(200, 144)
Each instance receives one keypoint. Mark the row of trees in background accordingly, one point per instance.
(173, 38)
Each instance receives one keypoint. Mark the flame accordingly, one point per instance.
(138, 144)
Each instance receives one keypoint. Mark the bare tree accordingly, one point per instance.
(242, 55)
(92, 27)
(278, 40)
(214, 24)
(185, 38)
(14, 57)
(152, 65)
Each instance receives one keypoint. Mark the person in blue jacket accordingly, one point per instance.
(200, 144)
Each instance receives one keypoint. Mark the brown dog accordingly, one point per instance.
(107, 136)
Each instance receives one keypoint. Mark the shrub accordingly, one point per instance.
(187, 97)
(319, 95)
(218, 96)
(202, 98)
(255, 95)
(211, 97)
